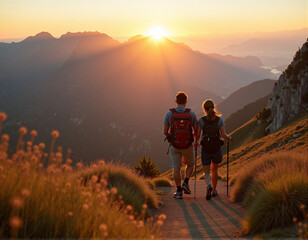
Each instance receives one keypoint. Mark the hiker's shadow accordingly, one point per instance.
(192, 226)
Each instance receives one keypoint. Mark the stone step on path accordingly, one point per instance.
(198, 218)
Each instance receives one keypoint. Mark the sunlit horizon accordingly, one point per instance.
(182, 18)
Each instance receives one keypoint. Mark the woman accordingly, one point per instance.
(213, 129)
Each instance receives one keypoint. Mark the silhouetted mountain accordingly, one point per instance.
(108, 99)
(245, 95)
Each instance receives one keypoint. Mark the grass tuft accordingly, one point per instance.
(162, 182)
(275, 191)
(278, 204)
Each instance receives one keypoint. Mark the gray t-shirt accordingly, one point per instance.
(220, 123)
(167, 120)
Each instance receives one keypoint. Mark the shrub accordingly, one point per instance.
(264, 114)
(249, 174)
(299, 66)
(133, 189)
(147, 168)
(274, 189)
(280, 167)
(162, 182)
(277, 205)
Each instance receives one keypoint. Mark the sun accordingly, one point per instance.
(157, 33)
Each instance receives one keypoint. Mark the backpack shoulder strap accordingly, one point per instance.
(204, 118)
(216, 119)
(172, 110)
(187, 110)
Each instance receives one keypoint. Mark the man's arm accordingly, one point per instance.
(166, 130)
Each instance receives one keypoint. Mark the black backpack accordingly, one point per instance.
(211, 135)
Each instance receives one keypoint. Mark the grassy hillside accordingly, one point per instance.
(240, 117)
(65, 201)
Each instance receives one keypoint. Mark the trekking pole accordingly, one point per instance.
(196, 154)
(227, 169)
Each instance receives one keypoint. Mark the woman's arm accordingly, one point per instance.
(223, 133)
(198, 134)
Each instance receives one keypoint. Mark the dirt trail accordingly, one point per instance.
(198, 218)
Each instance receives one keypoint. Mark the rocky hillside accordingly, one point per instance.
(290, 93)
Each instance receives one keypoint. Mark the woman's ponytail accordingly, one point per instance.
(209, 109)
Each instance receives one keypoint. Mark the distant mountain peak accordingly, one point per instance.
(40, 36)
(84, 34)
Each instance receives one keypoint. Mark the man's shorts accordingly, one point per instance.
(177, 154)
(207, 158)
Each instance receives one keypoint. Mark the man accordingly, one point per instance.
(179, 124)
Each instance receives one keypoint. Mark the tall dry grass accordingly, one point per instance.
(54, 202)
(274, 189)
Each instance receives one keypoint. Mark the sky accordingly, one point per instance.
(22, 18)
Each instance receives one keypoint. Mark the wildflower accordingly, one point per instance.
(5, 137)
(129, 207)
(104, 182)
(152, 236)
(68, 185)
(103, 227)
(79, 165)
(159, 223)
(113, 191)
(25, 192)
(3, 116)
(23, 130)
(70, 214)
(15, 222)
(17, 202)
(94, 178)
(34, 160)
(33, 133)
(58, 155)
(1, 168)
(131, 217)
(294, 219)
(302, 206)
(42, 145)
(300, 224)
(144, 206)
(162, 217)
(35, 148)
(55, 134)
(101, 162)
(69, 161)
(140, 224)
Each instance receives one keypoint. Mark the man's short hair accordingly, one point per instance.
(181, 98)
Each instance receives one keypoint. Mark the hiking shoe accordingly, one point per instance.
(185, 188)
(208, 192)
(214, 193)
(178, 195)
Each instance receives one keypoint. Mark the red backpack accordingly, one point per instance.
(181, 129)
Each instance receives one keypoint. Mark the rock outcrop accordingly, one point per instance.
(290, 93)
